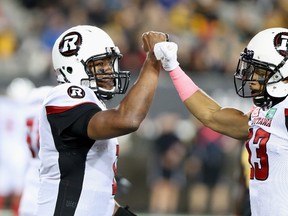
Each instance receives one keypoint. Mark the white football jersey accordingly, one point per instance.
(28, 202)
(76, 173)
(268, 157)
(13, 152)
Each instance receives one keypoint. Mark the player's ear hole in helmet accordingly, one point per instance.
(264, 61)
(78, 55)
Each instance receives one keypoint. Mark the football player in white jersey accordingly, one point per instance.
(78, 134)
(13, 154)
(28, 202)
(261, 74)
(13, 151)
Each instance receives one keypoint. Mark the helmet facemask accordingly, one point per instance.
(251, 70)
(266, 54)
(269, 75)
(98, 78)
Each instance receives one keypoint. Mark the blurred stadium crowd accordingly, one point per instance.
(210, 34)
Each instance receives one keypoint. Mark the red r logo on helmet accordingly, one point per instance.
(70, 44)
(281, 43)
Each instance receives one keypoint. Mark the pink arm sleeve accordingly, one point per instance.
(183, 84)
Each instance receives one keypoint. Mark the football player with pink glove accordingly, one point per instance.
(261, 74)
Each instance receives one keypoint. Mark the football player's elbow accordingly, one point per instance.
(210, 124)
(131, 123)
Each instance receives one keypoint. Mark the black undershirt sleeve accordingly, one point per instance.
(73, 122)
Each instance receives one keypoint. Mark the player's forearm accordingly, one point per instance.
(225, 120)
(201, 105)
(197, 101)
(139, 99)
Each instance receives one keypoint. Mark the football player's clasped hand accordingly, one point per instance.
(167, 53)
(150, 38)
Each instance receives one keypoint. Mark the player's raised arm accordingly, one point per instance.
(132, 110)
(228, 121)
(261, 75)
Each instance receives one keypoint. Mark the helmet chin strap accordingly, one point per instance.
(281, 64)
(263, 101)
(103, 95)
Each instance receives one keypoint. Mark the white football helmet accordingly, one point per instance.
(20, 88)
(79, 45)
(267, 51)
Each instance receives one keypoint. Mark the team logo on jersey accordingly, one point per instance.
(75, 92)
(281, 43)
(70, 44)
(271, 113)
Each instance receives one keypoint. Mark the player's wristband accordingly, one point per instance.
(183, 84)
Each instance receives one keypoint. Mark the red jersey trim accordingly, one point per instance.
(60, 109)
(286, 112)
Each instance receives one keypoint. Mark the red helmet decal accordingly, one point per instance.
(70, 44)
(281, 43)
